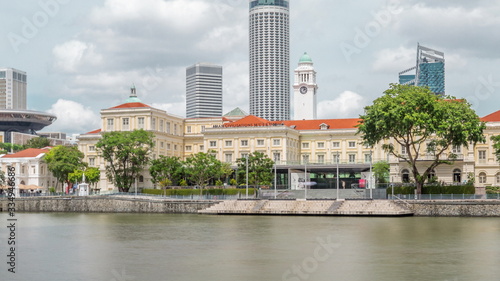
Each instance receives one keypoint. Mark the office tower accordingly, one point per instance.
(304, 90)
(429, 70)
(269, 59)
(203, 90)
(12, 89)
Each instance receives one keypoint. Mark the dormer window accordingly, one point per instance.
(324, 126)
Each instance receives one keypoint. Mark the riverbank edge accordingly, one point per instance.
(106, 204)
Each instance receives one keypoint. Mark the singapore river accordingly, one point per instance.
(117, 247)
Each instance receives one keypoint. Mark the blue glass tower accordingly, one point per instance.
(429, 71)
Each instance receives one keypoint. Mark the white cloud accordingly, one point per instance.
(347, 105)
(73, 117)
(178, 108)
(70, 55)
(395, 60)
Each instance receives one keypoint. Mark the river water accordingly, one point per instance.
(119, 247)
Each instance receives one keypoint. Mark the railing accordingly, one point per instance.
(400, 200)
(443, 196)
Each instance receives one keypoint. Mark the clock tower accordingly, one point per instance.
(305, 90)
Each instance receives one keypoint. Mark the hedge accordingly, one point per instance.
(189, 192)
(434, 189)
(492, 189)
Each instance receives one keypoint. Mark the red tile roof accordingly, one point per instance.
(251, 120)
(27, 153)
(493, 117)
(131, 105)
(94, 132)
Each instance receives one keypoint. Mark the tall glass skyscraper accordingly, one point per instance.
(203, 90)
(270, 59)
(429, 70)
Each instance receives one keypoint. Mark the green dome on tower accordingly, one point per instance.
(305, 58)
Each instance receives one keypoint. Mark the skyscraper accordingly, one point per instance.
(270, 59)
(429, 70)
(203, 90)
(12, 89)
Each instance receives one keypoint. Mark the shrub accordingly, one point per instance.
(492, 189)
(433, 189)
(189, 192)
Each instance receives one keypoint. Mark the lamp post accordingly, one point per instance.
(275, 179)
(247, 175)
(338, 179)
(370, 182)
(305, 180)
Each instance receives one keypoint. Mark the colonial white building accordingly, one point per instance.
(305, 90)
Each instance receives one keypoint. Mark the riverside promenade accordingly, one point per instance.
(315, 207)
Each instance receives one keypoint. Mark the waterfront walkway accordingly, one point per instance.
(309, 207)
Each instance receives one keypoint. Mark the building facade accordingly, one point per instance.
(319, 146)
(13, 84)
(429, 71)
(269, 38)
(305, 90)
(203, 90)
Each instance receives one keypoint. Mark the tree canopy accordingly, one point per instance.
(39, 142)
(259, 169)
(202, 167)
(64, 160)
(166, 168)
(126, 154)
(496, 146)
(421, 124)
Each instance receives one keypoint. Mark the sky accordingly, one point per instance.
(83, 56)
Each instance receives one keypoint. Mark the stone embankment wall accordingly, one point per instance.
(455, 208)
(106, 204)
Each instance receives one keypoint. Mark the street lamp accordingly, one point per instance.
(275, 178)
(370, 182)
(246, 157)
(338, 179)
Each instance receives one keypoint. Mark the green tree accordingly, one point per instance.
(423, 124)
(64, 160)
(259, 169)
(126, 154)
(381, 171)
(496, 146)
(202, 167)
(165, 170)
(92, 176)
(39, 142)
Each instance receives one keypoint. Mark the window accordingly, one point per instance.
(321, 158)
(175, 147)
(352, 158)
(405, 176)
(141, 178)
(498, 178)
(305, 145)
(229, 143)
(352, 144)
(110, 126)
(336, 158)
(168, 146)
(189, 148)
(368, 158)
(175, 129)
(457, 175)
(260, 142)
(305, 158)
(203, 128)
(276, 157)
(321, 145)
(202, 147)
(161, 125)
(276, 142)
(91, 161)
(168, 127)
(482, 156)
(91, 148)
(140, 122)
(161, 144)
(244, 155)
(153, 124)
(229, 158)
(188, 129)
(482, 177)
(213, 143)
(456, 149)
(244, 142)
(335, 144)
(125, 124)
(403, 149)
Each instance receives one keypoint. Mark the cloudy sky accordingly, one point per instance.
(83, 56)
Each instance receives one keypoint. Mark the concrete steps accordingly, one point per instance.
(309, 207)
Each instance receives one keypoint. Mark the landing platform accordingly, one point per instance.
(309, 207)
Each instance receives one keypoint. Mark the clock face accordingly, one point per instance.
(303, 89)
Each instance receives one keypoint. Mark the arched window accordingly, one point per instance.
(431, 176)
(482, 177)
(405, 175)
(141, 179)
(457, 175)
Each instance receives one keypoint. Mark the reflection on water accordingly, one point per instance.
(55, 246)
